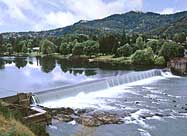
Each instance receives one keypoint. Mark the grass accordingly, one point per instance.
(12, 124)
(11, 127)
(114, 60)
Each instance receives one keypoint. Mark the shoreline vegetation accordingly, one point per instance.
(12, 123)
(122, 49)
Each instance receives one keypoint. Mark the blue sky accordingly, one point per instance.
(36, 15)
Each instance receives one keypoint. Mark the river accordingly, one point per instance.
(164, 95)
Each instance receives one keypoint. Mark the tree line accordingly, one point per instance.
(139, 49)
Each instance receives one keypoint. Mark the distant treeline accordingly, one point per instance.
(140, 49)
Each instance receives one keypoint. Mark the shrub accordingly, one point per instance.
(125, 50)
(143, 57)
(171, 50)
(159, 60)
(47, 47)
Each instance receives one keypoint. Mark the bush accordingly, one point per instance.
(90, 47)
(78, 49)
(171, 50)
(125, 50)
(159, 60)
(143, 57)
(47, 47)
(65, 49)
(155, 45)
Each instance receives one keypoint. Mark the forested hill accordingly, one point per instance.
(131, 22)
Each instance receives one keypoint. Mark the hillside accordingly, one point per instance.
(131, 22)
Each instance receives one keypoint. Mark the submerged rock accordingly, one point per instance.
(55, 111)
(88, 121)
(99, 119)
(63, 118)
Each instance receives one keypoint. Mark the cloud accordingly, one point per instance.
(48, 14)
(88, 10)
(15, 8)
(168, 11)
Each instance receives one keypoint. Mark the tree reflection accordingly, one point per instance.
(71, 65)
(47, 64)
(76, 72)
(2, 63)
(64, 65)
(20, 62)
(90, 72)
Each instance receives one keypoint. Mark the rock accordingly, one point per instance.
(184, 108)
(146, 115)
(109, 119)
(89, 121)
(67, 111)
(98, 119)
(83, 111)
(159, 115)
(63, 118)
(137, 102)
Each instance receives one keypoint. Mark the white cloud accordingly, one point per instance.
(47, 14)
(15, 8)
(168, 11)
(60, 19)
(88, 10)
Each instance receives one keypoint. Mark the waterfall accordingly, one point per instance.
(91, 86)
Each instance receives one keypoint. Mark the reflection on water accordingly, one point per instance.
(28, 74)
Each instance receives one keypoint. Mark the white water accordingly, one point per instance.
(96, 99)
(103, 84)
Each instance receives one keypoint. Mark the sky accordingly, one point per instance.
(37, 15)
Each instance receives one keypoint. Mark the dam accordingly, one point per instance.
(91, 86)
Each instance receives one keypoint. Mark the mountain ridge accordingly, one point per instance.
(131, 22)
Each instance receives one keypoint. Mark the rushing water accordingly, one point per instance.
(163, 94)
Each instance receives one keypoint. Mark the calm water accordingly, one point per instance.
(24, 74)
(166, 95)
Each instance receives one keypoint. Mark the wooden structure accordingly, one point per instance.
(178, 66)
(22, 102)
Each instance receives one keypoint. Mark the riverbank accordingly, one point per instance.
(105, 59)
(14, 123)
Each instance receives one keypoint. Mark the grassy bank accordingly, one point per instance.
(12, 127)
(12, 124)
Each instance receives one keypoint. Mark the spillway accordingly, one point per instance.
(92, 86)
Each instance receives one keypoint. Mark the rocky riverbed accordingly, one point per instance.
(94, 118)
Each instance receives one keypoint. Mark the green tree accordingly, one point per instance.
(108, 44)
(143, 57)
(171, 50)
(9, 48)
(18, 47)
(90, 47)
(125, 50)
(179, 37)
(140, 43)
(159, 61)
(78, 49)
(65, 48)
(3, 48)
(1, 40)
(155, 45)
(24, 48)
(47, 47)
